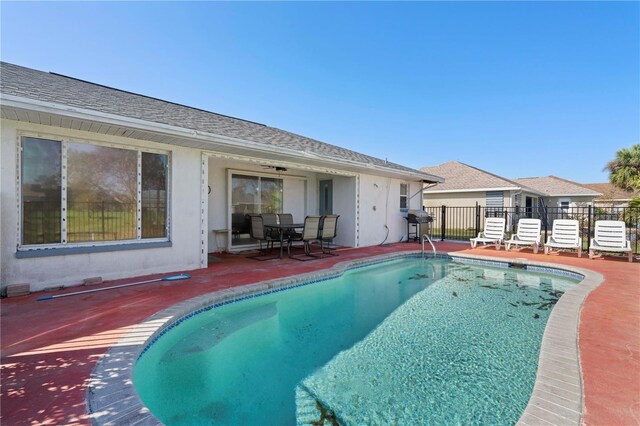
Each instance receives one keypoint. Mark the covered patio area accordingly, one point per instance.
(49, 348)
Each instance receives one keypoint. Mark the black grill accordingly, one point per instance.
(415, 219)
(412, 218)
(418, 216)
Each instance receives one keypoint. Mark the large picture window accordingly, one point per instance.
(252, 195)
(99, 194)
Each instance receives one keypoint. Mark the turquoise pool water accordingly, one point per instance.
(405, 342)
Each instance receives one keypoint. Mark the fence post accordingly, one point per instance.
(443, 223)
(477, 219)
(103, 230)
(589, 226)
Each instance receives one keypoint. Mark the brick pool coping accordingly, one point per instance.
(556, 397)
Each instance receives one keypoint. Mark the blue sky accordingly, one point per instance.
(518, 89)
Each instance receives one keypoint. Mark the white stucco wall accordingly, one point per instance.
(380, 206)
(42, 272)
(573, 201)
(344, 204)
(456, 199)
(368, 205)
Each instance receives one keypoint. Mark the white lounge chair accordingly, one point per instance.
(528, 234)
(565, 234)
(493, 233)
(610, 236)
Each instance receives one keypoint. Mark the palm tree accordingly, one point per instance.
(624, 170)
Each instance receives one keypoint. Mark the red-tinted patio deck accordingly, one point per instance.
(49, 348)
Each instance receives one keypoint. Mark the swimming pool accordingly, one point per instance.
(404, 341)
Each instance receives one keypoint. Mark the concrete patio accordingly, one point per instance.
(49, 348)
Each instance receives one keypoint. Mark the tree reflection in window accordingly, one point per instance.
(102, 193)
(154, 195)
(102, 187)
(41, 191)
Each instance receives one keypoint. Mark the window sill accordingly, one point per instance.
(63, 251)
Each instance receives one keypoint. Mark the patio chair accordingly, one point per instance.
(528, 234)
(271, 219)
(610, 236)
(287, 219)
(328, 231)
(257, 233)
(493, 233)
(565, 234)
(308, 235)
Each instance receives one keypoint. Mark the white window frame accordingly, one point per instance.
(64, 141)
(253, 173)
(405, 196)
(564, 209)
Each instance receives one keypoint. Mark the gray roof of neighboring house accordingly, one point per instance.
(610, 192)
(462, 177)
(50, 87)
(554, 186)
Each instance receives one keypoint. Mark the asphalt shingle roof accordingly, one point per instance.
(463, 177)
(49, 87)
(555, 186)
(610, 192)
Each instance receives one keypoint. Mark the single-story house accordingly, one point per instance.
(611, 195)
(97, 181)
(562, 193)
(466, 185)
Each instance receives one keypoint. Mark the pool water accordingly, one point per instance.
(408, 341)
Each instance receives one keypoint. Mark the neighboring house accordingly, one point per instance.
(611, 195)
(97, 181)
(466, 186)
(561, 193)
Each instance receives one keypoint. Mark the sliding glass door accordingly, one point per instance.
(252, 195)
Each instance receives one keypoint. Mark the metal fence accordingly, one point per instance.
(91, 221)
(463, 223)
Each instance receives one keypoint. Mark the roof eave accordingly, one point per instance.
(448, 191)
(574, 195)
(28, 104)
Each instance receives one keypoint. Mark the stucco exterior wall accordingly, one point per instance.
(344, 204)
(368, 205)
(608, 204)
(573, 201)
(42, 272)
(456, 199)
(380, 209)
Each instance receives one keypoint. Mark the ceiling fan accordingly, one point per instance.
(276, 168)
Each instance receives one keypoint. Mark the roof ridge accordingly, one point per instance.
(566, 180)
(493, 174)
(478, 169)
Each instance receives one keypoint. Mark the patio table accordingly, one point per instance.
(281, 228)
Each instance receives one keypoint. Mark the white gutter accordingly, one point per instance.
(506, 188)
(573, 195)
(118, 120)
